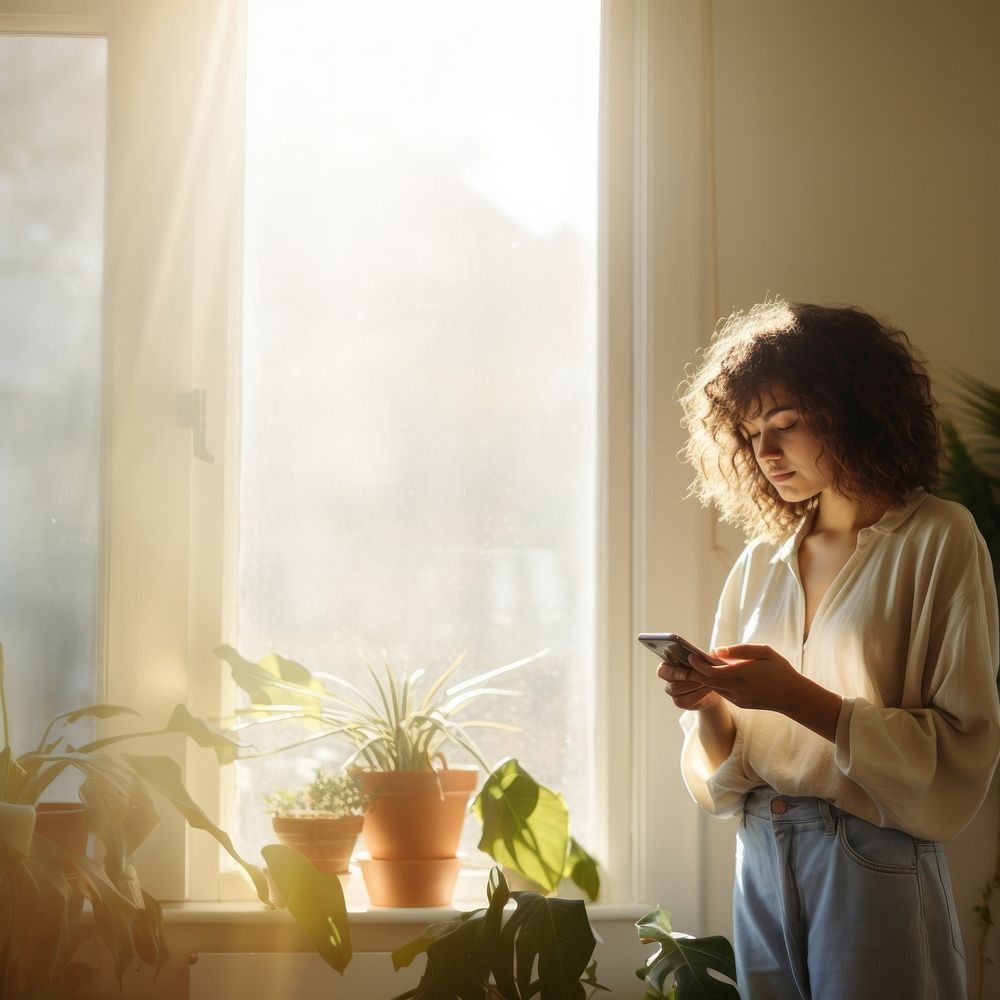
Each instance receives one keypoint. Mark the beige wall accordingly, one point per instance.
(858, 161)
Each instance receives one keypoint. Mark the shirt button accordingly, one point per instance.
(778, 806)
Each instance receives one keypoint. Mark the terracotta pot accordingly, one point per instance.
(327, 841)
(410, 882)
(412, 828)
(63, 823)
(410, 818)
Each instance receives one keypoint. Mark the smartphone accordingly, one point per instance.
(673, 648)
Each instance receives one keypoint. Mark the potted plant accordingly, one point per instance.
(321, 819)
(398, 739)
(46, 879)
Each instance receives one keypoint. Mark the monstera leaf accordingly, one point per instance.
(535, 947)
(681, 968)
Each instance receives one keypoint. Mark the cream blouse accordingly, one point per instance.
(907, 633)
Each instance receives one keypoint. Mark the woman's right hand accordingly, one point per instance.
(688, 695)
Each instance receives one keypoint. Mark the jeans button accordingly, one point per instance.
(778, 806)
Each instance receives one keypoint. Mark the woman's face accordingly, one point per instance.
(787, 453)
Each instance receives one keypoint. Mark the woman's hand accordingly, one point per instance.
(686, 689)
(753, 676)
(715, 723)
(756, 676)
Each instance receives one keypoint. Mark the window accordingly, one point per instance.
(419, 359)
(52, 166)
(511, 379)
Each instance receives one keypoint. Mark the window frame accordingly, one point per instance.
(172, 311)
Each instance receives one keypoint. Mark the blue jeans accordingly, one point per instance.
(829, 907)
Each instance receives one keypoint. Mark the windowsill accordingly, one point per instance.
(209, 912)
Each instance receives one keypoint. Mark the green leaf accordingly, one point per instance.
(274, 679)
(113, 911)
(525, 824)
(581, 867)
(686, 960)
(454, 963)
(17, 825)
(405, 954)
(148, 936)
(121, 813)
(164, 775)
(315, 900)
(557, 934)
(182, 721)
(12, 776)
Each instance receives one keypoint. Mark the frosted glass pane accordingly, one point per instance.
(52, 126)
(420, 358)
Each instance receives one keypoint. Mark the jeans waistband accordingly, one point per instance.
(766, 803)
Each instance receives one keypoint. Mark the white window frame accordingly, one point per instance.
(172, 307)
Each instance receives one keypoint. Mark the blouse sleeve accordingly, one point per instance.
(927, 769)
(720, 791)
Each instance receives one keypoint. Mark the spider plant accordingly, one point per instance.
(395, 727)
(392, 727)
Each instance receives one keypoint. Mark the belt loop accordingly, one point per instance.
(829, 814)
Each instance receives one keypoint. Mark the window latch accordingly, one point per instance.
(191, 413)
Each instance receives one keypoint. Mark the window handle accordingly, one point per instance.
(191, 413)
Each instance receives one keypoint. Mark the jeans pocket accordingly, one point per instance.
(877, 848)
(940, 896)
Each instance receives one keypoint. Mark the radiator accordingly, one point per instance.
(296, 976)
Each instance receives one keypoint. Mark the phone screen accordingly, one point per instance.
(672, 647)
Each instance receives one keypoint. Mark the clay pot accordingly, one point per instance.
(410, 881)
(416, 814)
(412, 828)
(63, 823)
(327, 841)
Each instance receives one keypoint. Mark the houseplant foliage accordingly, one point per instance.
(396, 727)
(321, 819)
(327, 793)
(538, 946)
(393, 728)
(971, 475)
(526, 829)
(43, 887)
(681, 967)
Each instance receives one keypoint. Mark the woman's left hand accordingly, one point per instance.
(756, 676)
(753, 676)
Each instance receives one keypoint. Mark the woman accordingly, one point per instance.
(854, 721)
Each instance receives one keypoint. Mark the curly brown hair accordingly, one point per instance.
(860, 386)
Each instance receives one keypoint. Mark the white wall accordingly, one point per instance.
(857, 160)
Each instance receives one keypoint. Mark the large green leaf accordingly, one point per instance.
(121, 813)
(114, 913)
(274, 680)
(164, 775)
(525, 824)
(581, 868)
(557, 934)
(480, 954)
(315, 900)
(462, 953)
(685, 960)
